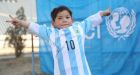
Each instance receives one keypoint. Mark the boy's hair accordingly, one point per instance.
(56, 10)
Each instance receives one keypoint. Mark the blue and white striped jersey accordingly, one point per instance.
(67, 45)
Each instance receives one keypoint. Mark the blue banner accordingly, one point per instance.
(111, 49)
(80, 9)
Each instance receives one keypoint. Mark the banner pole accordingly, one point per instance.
(33, 64)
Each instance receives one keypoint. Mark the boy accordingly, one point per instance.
(66, 39)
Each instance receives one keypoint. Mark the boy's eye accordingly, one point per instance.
(59, 18)
(67, 17)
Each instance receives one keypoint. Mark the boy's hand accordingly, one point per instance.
(16, 22)
(106, 12)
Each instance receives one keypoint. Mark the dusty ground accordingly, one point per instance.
(9, 65)
(18, 66)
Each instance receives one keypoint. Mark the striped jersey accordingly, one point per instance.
(67, 45)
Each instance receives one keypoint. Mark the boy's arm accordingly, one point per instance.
(32, 28)
(17, 22)
(94, 20)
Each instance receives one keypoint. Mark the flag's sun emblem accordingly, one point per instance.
(121, 23)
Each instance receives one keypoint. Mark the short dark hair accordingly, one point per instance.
(56, 10)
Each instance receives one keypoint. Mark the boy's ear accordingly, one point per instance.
(53, 23)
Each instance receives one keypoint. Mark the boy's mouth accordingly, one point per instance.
(65, 25)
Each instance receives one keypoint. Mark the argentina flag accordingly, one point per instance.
(111, 49)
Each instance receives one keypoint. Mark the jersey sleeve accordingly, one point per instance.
(33, 28)
(91, 21)
(38, 30)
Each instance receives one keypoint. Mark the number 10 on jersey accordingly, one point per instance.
(70, 45)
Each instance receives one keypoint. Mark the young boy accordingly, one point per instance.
(66, 39)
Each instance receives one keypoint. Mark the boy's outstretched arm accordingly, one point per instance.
(105, 13)
(17, 22)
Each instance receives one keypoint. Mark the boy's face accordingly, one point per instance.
(62, 20)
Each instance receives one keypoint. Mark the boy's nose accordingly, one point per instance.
(64, 20)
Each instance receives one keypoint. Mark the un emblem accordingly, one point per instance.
(121, 23)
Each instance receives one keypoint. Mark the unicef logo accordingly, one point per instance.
(121, 23)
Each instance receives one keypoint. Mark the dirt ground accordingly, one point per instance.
(19, 66)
